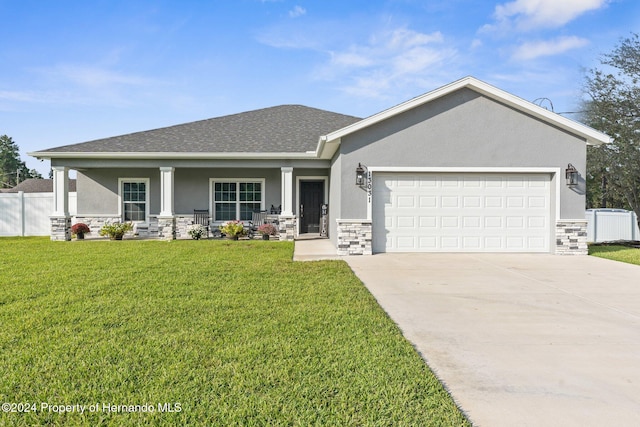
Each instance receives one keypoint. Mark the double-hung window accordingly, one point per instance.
(134, 196)
(237, 199)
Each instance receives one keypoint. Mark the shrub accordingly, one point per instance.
(116, 230)
(196, 231)
(267, 229)
(80, 228)
(233, 229)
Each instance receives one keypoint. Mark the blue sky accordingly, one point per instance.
(74, 71)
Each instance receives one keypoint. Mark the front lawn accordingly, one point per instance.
(617, 253)
(219, 333)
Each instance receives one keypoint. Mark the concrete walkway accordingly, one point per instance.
(313, 248)
(518, 339)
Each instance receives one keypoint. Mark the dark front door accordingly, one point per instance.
(311, 200)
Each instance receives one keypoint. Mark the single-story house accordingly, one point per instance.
(464, 168)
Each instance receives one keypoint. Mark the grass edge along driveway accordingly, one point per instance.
(616, 253)
(203, 332)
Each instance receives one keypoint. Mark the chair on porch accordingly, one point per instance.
(276, 211)
(201, 216)
(258, 218)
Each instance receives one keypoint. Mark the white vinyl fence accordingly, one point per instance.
(607, 225)
(27, 214)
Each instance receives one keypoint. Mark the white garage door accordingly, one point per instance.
(461, 212)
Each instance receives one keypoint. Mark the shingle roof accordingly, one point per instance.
(281, 129)
(33, 185)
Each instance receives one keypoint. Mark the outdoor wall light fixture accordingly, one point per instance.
(360, 175)
(572, 175)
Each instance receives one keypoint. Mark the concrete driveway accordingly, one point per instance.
(519, 339)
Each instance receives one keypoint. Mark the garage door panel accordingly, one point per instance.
(515, 242)
(428, 222)
(536, 243)
(428, 201)
(407, 181)
(538, 181)
(516, 182)
(493, 243)
(406, 222)
(405, 202)
(537, 202)
(406, 242)
(515, 202)
(493, 221)
(463, 212)
(471, 182)
(494, 182)
(450, 201)
(428, 181)
(471, 201)
(537, 222)
(428, 242)
(449, 222)
(493, 202)
(450, 242)
(472, 242)
(472, 222)
(450, 181)
(515, 222)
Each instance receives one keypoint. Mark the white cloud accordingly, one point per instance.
(536, 49)
(389, 61)
(297, 12)
(527, 15)
(476, 43)
(18, 96)
(91, 76)
(70, 84)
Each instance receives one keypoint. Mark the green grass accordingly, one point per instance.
(617, 253)
(235, 332)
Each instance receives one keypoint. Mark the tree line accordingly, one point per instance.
(12, 169)
(612, 106)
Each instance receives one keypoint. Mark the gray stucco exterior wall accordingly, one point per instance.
(98, 188)
(335, 197)
(462, 129)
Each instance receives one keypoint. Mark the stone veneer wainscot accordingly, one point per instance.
(354, 237)
(60, 228)
(287, 228)
(571, 237)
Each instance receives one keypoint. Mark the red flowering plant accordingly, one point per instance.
(267, 229)
(80, 229)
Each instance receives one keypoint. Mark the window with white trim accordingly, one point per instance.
(236, 199)
(134, 196)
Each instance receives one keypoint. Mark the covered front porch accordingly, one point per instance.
(160, 201)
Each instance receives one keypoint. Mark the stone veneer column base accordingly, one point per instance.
(182, 226)
(166, 227)
(571, 237)
(60, 228)
(287, 228)
(354, 237)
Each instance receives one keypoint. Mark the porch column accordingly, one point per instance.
(166, 219)
(287, 223)
(166, 191)
(60, 219)
(287, 191)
